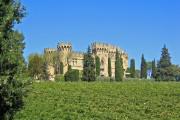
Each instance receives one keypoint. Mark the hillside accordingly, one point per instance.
(106, 101)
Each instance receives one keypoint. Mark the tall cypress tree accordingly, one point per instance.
(89, 73)
(143, 67)
(154, 70)
(11, 58)
(61, 68)
(109, 67)
(97, 66)
(132, 68)
(119, 71)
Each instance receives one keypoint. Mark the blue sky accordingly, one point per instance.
(137, 26)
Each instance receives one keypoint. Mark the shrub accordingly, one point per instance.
(59, 78)
(72, 75)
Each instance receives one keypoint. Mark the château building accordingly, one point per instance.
(65, 55)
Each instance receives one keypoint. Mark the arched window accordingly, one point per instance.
(102, 62)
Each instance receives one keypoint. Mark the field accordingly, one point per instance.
(137, 100)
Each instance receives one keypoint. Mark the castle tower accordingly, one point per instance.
(105, 51)
(101, 50)
(64, 52)
(49, 53)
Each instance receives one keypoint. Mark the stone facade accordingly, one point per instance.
(67, 56)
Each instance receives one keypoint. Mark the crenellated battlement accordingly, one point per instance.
(103, 45)
(105, 48)
(64, 46)
(49, 50)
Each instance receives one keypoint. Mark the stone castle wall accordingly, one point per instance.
(105, 51)
(68, 57)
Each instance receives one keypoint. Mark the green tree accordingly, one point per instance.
(61, 68)
(45, 73)
(119, 71)
(132, 68)
(165, 60)
(11, 58)
(154, 70)
(89, 73)
(109, 67)
(149, 65)
(165, 70)
(44, 68)
(138, 72)
(71, 75)
(35, 66)
(97, 66)
(143, 67)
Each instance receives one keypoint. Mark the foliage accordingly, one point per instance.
(69, 67)
(149, 65)
(169, 74)
(89, 73)
(59, 78)
(11, 97)
(11, 41)
(132, 68)
(38, 66)
(165, 70)
(11, 58)
(72, 75)
(130, 100)
(61, 68)
(44, 69)
(35, 66)
(119, 71)
(98, 66)
(104, 79)
(165, 60)
(143, 67)
(154, 69)
(109, 67)
(138, 72)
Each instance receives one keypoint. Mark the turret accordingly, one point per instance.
(49, 50)
(64, 50)
(64, 47)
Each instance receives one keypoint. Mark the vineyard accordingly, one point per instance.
(138, 100)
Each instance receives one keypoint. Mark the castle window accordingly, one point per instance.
(74, 61)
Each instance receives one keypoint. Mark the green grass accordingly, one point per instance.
(137, 100)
